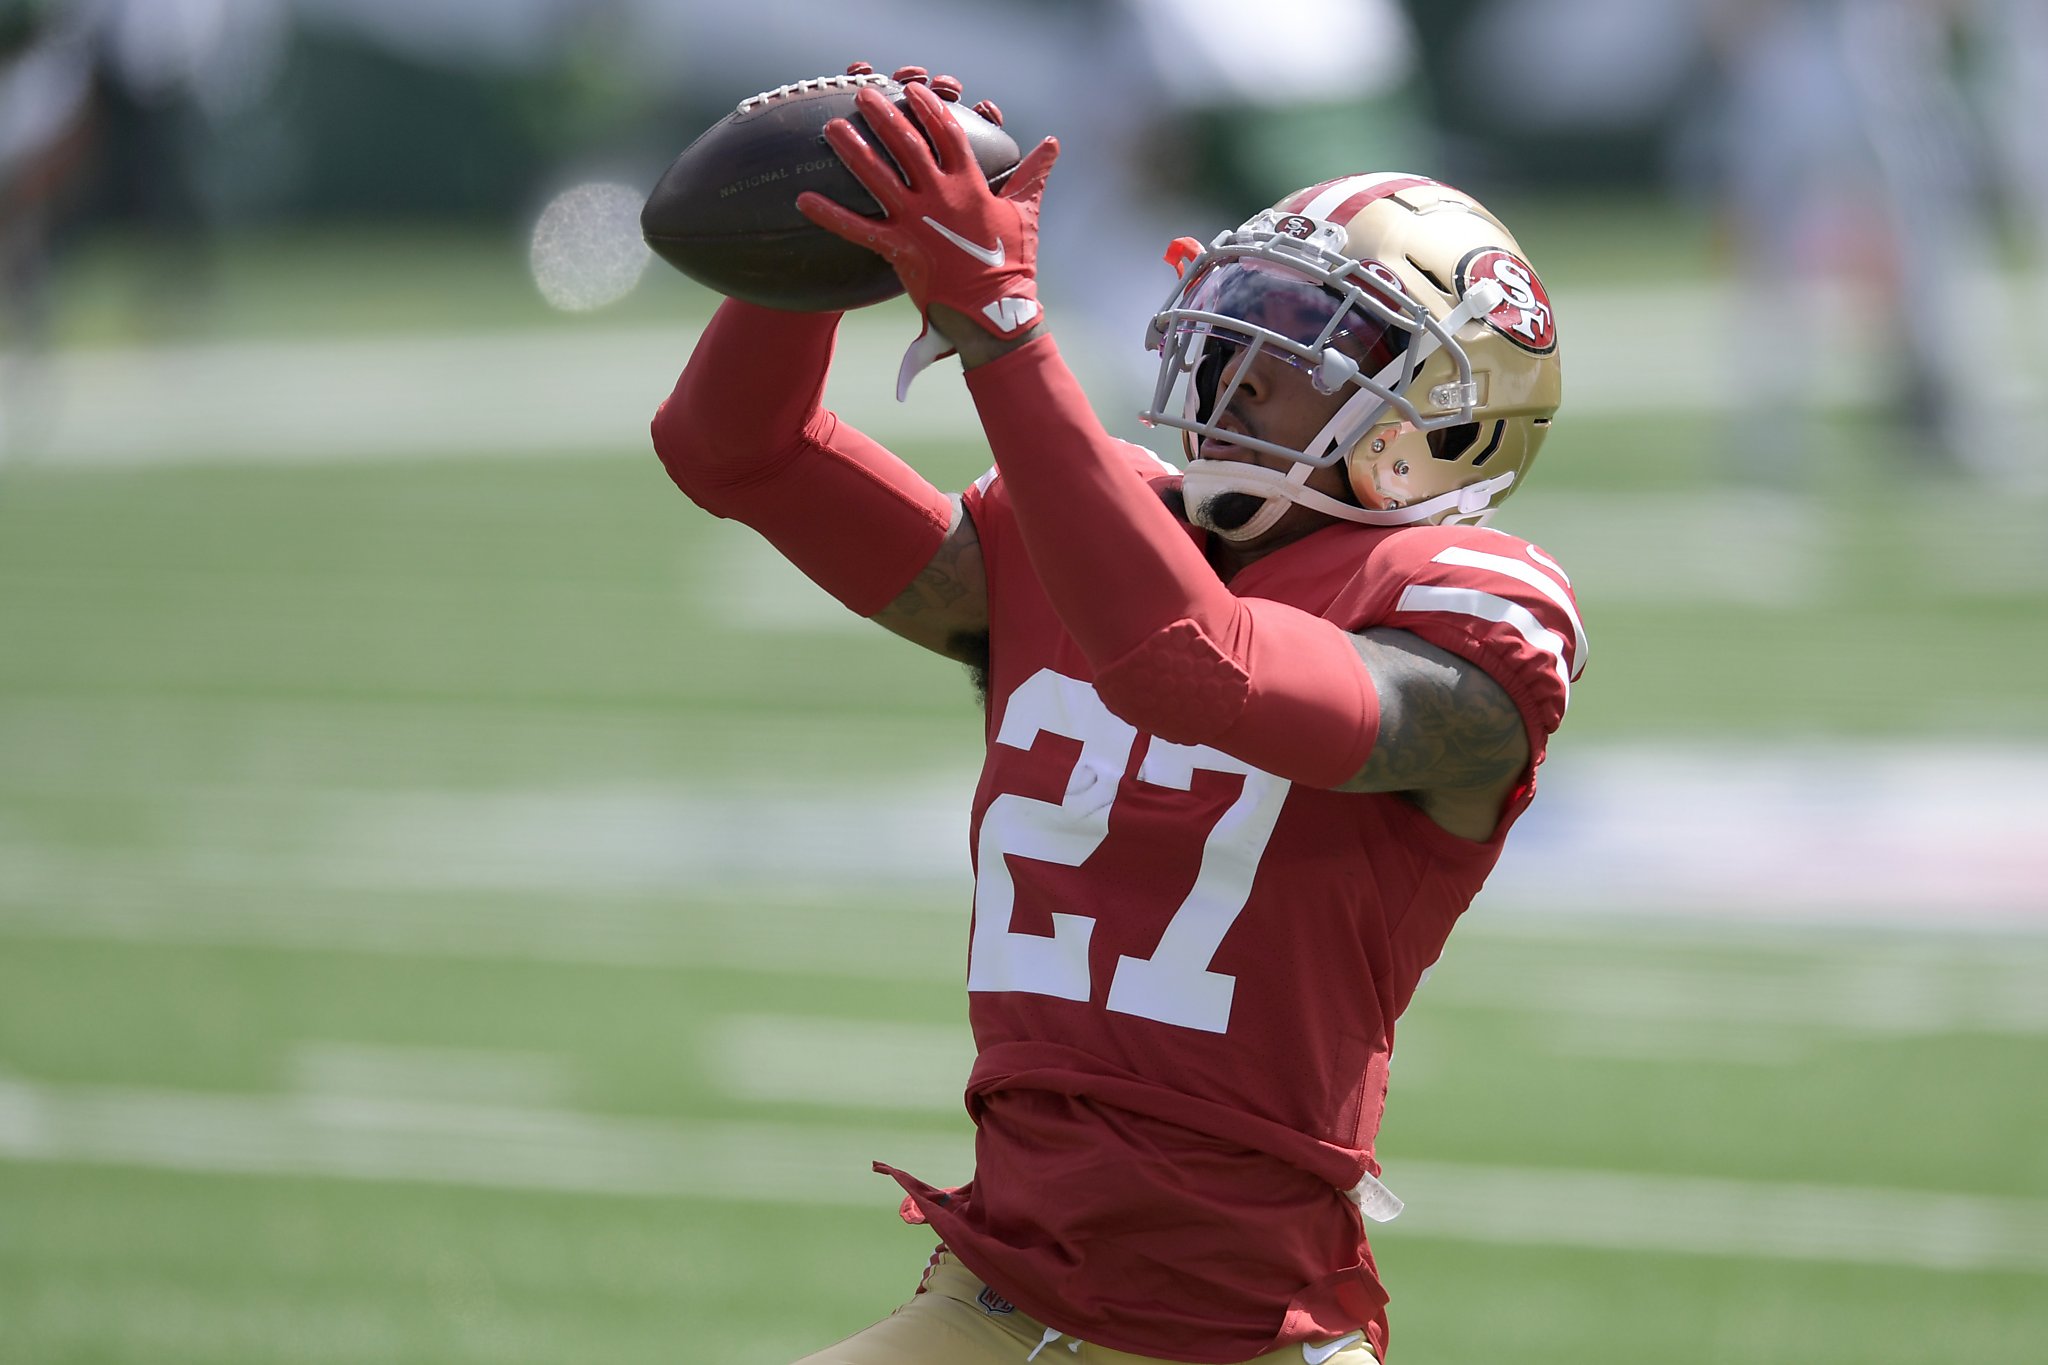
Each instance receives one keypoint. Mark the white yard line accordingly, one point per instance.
(842, 1063)
(500, 1147)
(566, 388)
(825, 1164)
(552, 391)
(1614, 1211)
(447, 1075)
(1848, 994)
(704, 932)
(1945, 834)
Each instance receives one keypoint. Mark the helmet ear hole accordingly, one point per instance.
(1449, 443)
(1432, 277)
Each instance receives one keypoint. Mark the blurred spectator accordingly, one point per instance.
(112, 103)
(1854, 198)
(172, 73)
(2013, 38)
(46, 84)
(1578, 68)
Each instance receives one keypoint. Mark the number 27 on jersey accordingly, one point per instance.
(1175, 984)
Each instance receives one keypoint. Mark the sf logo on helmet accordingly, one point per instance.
(1524, 316)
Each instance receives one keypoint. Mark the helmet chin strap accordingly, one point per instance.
(1208, 479)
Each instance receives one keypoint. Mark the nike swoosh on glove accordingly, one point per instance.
(952, 239)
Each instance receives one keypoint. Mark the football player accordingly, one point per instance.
(1256, 730)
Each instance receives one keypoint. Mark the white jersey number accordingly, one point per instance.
(1174, 985)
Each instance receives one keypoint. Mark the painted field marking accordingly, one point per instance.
(708, 931)
(843, 1063)
(554, 390)
(532, 392)
(826, 1164)
(486, 1076)
(1841, 987)
(489, 1146)
(1703, 1216)
(1851, 992)
(1843, 833)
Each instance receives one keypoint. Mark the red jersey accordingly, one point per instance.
(1184, 972)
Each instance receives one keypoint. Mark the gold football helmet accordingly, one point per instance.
(1401, 293)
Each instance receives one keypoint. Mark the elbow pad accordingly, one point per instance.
(744, 437)
(858, 521)
(753, 387)
(1283, 690)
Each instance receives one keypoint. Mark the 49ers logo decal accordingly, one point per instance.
(1524, 317)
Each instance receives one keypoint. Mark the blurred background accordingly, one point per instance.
(458, 902)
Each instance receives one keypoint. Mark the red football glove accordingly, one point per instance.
(952, 239)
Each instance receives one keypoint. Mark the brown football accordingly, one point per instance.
(724, 213)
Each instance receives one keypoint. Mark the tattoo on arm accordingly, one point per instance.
(945, 608)
(1445, 724)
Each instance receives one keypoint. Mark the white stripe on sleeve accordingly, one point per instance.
(1523, 573)
(1547, 562)
(1484, 605)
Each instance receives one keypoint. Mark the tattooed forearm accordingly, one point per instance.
(1444, 723)
(945, 608)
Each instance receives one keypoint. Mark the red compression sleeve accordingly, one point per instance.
(1175, 652)
(745, 437)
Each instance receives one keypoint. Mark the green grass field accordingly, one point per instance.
(456, 910)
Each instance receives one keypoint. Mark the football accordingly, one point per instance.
(724, 213)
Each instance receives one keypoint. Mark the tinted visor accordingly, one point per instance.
(1273, 299)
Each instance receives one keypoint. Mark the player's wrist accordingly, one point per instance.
(975, 343)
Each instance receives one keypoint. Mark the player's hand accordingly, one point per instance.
(953, 240)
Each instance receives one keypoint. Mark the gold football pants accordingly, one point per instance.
(958, 1320)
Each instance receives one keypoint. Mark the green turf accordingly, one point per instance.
(104, 1263)
(118, 1266)
(589, 584)
(220, 687)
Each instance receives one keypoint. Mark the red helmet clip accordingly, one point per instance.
(1180, 251)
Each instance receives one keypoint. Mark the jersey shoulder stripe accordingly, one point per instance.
(1488, 607)
(1525, 571)
(1489, 597)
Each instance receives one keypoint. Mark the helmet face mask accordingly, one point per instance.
(1440, 398)
(1247, 307)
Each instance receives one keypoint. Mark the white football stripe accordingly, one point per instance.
(1327, 202)
(1472, 602)
(1535, 578)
